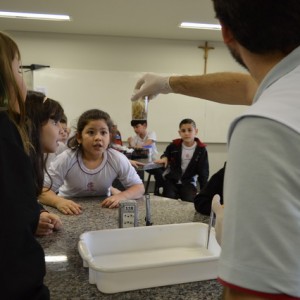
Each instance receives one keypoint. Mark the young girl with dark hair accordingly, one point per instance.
(43, 123)
(90, 167)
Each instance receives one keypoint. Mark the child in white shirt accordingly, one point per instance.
(146, 139)
(186, 160)
(90, 167)
(143, 137)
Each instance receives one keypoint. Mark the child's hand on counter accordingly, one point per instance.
(68, 207)
(111, 202)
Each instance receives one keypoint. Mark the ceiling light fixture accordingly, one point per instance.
(200, 26)
(23, 15)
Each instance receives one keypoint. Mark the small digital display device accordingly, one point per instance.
(128, 214)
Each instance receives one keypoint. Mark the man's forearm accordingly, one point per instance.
(226, 88)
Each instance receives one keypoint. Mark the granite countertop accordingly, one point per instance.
(70, 280)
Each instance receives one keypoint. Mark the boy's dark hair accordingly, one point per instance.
(137, 122)
(187, 121)
(253, 23)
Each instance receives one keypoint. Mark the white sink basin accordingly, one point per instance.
(126, 259)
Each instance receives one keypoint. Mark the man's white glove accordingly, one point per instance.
(151, 85)
(218, 209)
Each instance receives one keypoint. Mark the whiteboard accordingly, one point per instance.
(80, 90)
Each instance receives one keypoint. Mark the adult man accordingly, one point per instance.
(261, 231)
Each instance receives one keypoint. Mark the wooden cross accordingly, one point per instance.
(205, 48)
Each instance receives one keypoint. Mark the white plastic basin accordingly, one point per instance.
(142, 257)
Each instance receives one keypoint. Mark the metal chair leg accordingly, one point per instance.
(147, 183)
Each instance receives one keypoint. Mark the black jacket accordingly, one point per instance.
(197, 166)
(22, 258)
(214, 186)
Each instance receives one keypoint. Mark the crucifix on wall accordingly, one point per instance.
(205, 48)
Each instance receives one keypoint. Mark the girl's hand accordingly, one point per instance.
(114, 191)
(134, 192)
(48, 222)
(69, 207)
(111, 202)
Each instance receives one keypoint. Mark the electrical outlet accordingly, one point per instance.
(128, 214)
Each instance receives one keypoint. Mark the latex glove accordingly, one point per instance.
(218, 209)
(151, 85)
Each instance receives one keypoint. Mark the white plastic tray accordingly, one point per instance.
(142, 257)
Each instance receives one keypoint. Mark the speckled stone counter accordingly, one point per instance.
(70, 280)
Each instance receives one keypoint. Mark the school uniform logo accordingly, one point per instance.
(90, 186)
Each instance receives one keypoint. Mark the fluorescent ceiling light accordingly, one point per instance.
(23, 15)
(200, 26)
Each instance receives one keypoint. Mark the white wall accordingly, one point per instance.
(110, 91)
(128, 54)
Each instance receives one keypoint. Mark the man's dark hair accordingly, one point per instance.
(137, 122)
(262, 26)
